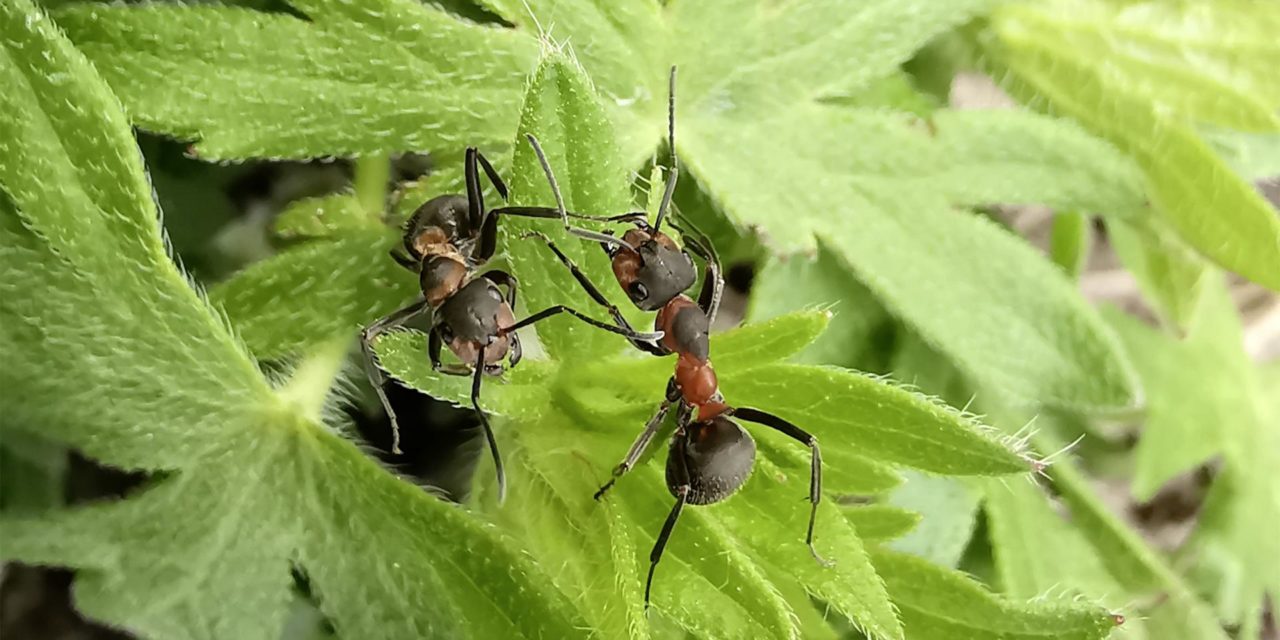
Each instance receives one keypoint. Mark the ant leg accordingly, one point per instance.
(504, 279)
(403, 259)
(377, 376)
(671, 142)
(681, 488)
(517, 352)
(488, 226)
(815, 464)
(605, 238)
(630, 334)
(548, 213)
(493, 175)
(484, 425)
(489, 230)
(434, 344)
(642, 441)
(588, 234)
(713, 278)
(594, 292)
(488, 244)
(475, 197)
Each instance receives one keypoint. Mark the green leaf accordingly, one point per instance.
(868, 167)
(1142, 75)
(938, 603)
(1166, 604)
(323, 216)
(1069, 244)
(1038, 552)
(800, 52)
(962, 275)
(888, 423)
(1255, 156)
(730, 111)
(87, 288)
(565, 113)
(878, 523)
(110, 351)
(32, 473)
(255, 84)
(948, 511)
(851, 586)
(930, 436)
(896, 91)
(597, 394)
(1206, 399)
(745, 347)
(844, 473)
(794, 282)
(305, 296)
(1168, 273)
(1199, 390)
(1008, 156)
(628, 58)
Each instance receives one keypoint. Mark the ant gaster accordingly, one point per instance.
(446, 241)
(710, 457)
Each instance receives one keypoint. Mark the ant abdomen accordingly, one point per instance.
(718, 454)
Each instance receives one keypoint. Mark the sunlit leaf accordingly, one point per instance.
(1023, 528)
(323, 216)
(1169, 274)
(1142, 75)
(1206, 399)
(311, 293)
(249, 486)
(948, 509)
(939, 603)
(249, 83)
(881, 522)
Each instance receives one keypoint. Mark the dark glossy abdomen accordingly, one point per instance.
(719, 455)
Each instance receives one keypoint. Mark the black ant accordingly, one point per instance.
(446, 241)
(711, 457)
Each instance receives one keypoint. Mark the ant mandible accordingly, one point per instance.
(446, 241)
(709, 458)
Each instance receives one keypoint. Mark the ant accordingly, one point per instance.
(709, 458)
(446, 241)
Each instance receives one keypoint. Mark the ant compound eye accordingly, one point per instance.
(638, 291)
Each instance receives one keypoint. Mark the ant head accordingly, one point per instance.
(440, 222)
(441, 277)
(718, 454)
(655, 272)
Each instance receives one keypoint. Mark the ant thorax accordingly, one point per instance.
(686, 328)
(442, 276)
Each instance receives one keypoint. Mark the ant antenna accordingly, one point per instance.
(595, 236)
(671, 144)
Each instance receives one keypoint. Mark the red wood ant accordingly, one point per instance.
(446, 241)
(709, 458)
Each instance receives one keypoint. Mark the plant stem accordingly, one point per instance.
(373, 173)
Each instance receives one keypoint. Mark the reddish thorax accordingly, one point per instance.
(695, 377)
